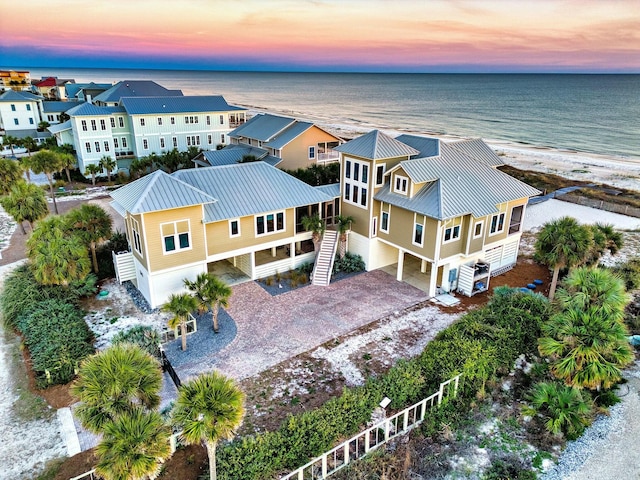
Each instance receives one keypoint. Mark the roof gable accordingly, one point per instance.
(262, 127)
(135, 88)
(13, 96)
(183, 104)
(426, 146)
(376, 145)
(89, 109)
(479, 150)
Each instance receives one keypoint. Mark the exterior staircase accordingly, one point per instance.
(124, 266)
(324, 261)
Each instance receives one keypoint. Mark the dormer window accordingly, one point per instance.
(401, 184)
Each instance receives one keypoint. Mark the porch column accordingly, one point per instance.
(273, 251)
(400, 264)
(252, 264)
(433, 280)
(292, 249)
(423, 266)
(446, 284)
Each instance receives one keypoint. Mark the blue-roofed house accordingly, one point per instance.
(20, 113)
(296, 143)
(442, 210)
(133, 88)
(245, 217)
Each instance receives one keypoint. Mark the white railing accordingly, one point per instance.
(124, 266)
(325, 157)
(90, 475)
(358, 446)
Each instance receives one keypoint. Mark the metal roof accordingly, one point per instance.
(191, 104)
(479, 150)
(262, 127)
(158, 191)
(59, 127)
(465, 186)
(135, 88)
(89, 109)
(13, 96)
(72, 89)
(376, 145)
(249, 189)
(289, 134)
(232, 154)
(333, 190)
(57, 106)
(428, 147)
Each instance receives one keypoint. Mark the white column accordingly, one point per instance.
(273, 251)
(433, 278)
(446, 285)
(252, 265)
(423, 266)
(400, 264)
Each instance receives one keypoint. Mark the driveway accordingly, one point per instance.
(271, 329)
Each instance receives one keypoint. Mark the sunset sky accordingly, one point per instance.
(325, 35)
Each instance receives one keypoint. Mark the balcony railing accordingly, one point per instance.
(328, 156)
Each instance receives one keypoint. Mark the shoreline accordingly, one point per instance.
(616, 171)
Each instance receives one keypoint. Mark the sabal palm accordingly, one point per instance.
(93, 169)
(317, 227)
(10, 174)
(25, 203)
(108, 164)
(565, 409)
(344, 224)
(180, 305)
(209, 408)
(92, 225)
(31, 145)
(47, 162)
(68, 161)
(211, 294)
(133, 446)
(563, 243)
(57, 257)
(115, 381)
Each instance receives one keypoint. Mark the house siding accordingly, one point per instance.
(296, 153)
(401, 225)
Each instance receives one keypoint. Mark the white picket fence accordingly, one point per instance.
(358, 446)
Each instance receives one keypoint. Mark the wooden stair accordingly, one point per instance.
(325, 258)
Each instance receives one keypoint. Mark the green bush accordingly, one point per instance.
(629, 271)
(58, 339)
(351, 263)
(144, 336)
(117, 243)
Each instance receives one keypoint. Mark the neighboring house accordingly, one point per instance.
(298, 144)
(52, 88)
(20, 113)
(84, 92)
(17, 80)
(52, 110)
(132, 88)
(179, 225)
(441, 205)
(139, 126)
(232, 154)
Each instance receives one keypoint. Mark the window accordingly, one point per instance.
(374, 226)
(477, 230)
(497, 224)
(160, 121)
(221, 119)
(28, 107)
(87, 147)
(124, 142)
(380, 174)
(452, 233)
(401, 184)
(121, 122)
(234, 228)
(384, 224)
(97, 147)
(208, 119)
(356, 183)
(115, 143)
(103, 124)
(50, 118)
(142, 122)
(312, 153)
(222, 138)
(106, 146)
(15, 121)
(516, 219)
(135, 233)
(270, 223)
(113, 122)
(31, 121)
(175, 142)
(93, 125)
(195, 119)
(188, 141)
(161, 142)
(418, 236)
(13, 107)
(145, 144)
(176, 236)
(84, 125)
(209, 139)
(173, 120)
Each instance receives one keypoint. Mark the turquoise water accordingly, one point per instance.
(586, 113)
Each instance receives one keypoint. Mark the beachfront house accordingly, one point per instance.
(283, 141)
(139, 125)
(242, 219)
(438, 215)
(20, 113)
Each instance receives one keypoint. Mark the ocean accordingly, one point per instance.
(583, 113)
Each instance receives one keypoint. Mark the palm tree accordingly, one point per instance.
(344, 225)
(10, 174)
(31, 145)
(180, 305)
(605, 237)
(209, 408)
(11, 141)
(68, 162)
(109, 164)
(563, 243)
(92, 224)
(25, 202)
(586, 341)
(315, 225)
(57, 257)
(133, 446)
(211, 294)
(115, 381)
(93, 169)
(47, 162)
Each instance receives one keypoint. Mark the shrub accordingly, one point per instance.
(117, 243)
(144, 336)
(351, 263)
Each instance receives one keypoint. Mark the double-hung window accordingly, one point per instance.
(418, 231)
(135, 234)
(106, 145)
(97, 147)
(356, 183)
(270, 223)
(312, 153)
(124, 142)
(113, 122)
(234, 228)
(145, 144)
(175, 236)
(497, 224)
(121, 122)
(451, 233)
(87, 147)
(142, 122)
(160, 121)
(84, 125)
(400, 184)
(93, 125)
(103, 124)
(477, 230)
(161, 142)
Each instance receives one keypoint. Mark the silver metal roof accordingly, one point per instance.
(332, 190)
(262, 127)
(57, 106)
(465, 186)
(248, 189)
(59, 127)
(158, 191)
(479, 150)
(289, 134)
(183, 104)
(232, 154)
(13, 96)
(89, 109)
(428, 147)
(376, 145)
(135, 88)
